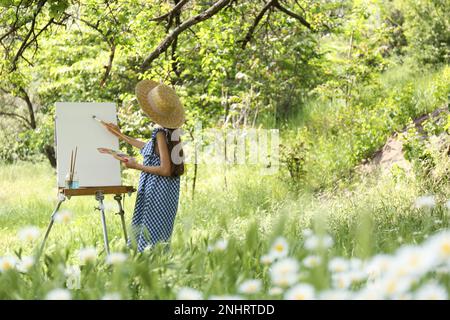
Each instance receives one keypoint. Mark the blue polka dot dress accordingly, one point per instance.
(156, 201)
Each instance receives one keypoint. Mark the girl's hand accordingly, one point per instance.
(114, 129)
(131, 163)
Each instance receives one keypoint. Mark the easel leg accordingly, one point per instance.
(99, 197)
(61, 199)
(121, 212)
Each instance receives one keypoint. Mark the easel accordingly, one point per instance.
(99, 193)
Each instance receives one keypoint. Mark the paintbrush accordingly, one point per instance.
(70, 169)
(99, 120)
(107, 125)
(74, 162)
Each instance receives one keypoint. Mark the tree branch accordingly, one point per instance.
(109, 66)
(26, 98)
(169, 14)
(25, 42)
(292, 14)
(258, 19)
(15, 115)
(162, 47)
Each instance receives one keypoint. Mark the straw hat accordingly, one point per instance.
(160, 103)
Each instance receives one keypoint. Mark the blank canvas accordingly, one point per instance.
(75, 127)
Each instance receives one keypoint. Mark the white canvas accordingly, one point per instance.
(76, 127)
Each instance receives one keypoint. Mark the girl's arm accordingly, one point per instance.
(115, 130)
(165, 169)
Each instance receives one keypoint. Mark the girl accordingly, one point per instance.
(159, 183)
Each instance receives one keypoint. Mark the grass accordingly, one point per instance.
(242, 225)
(373, 216)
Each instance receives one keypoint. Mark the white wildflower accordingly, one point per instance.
(284, 273)
(427, 202)
(7, 263)
(378, 265)
(336, 294)
(250, 286)
(59, 294)
(439, 244)
(221, 245)
(300, 292)
(64, 216)
(279, 248)
(186, 293)
(72, 271)
(25, 264)
(284, 267)
(275, 291)
(225, 297)
(312, 261)
(392, 286)
(307, 233)
(116, 258)
(412, 261)
(267, 259)
(87, 255)
(112, 296)
(29, 234)
(316, 242)
(341, 280)
(431, 291)
(240, 76)
(338, 264)
(368, 293)
(356, 264)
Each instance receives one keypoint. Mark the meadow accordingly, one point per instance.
(254, 238)
(336, 78)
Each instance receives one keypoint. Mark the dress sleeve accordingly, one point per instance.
(154, 133)
(146, 149)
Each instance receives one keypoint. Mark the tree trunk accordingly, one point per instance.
(27, 100)
(50, 154)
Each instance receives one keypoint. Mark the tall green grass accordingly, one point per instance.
(376, 215)
(338, 136)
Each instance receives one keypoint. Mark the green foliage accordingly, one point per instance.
(427, 30)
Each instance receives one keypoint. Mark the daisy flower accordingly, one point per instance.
(431, 291)
(284, 273)
(59, 294)
(250, 286)
(335, 294)
(440, 245)
(267, 259)
(427, 202)
(112, 296)
(225, 297)
(29, 234)
(25, 264)
(312, 261)
(87, 255)
(338, 264)
(392, 286)
(7, 263)
(279, 248)
(275, 291)
(186, 293)
(221, 245)
(300, 292)
(318, 242)
(116, 258)
(64, 216)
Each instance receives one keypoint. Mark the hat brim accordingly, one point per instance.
(172, 121)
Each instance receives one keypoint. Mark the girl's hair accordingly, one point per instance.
(177, 169)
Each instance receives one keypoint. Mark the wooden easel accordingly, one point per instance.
(99, 193)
